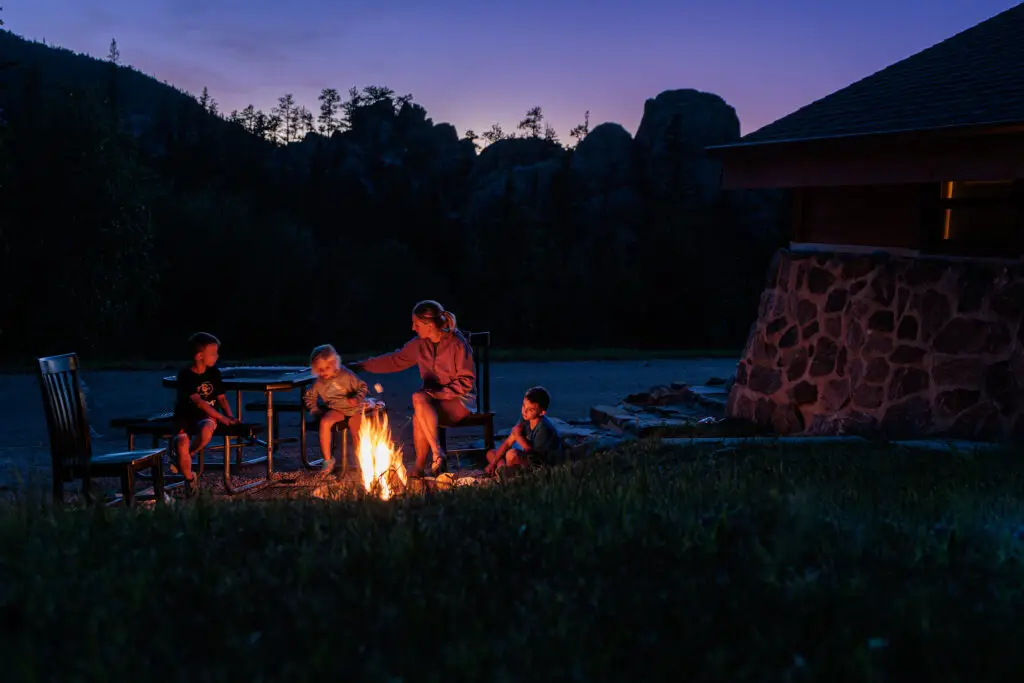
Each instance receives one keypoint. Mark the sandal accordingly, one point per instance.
(440, 466)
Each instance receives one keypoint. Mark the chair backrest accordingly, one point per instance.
(481, 343)
(66, 418)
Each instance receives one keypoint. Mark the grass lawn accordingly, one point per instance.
(497, 354)
(844, 563)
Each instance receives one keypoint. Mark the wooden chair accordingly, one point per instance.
(481, 415)
(71, 443)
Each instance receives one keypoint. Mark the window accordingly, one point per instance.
(982, 217)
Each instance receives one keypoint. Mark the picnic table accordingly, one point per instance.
(266, 379)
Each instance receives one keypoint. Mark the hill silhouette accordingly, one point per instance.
(135, 213)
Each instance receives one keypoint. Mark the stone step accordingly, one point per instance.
(681, 394)
(938, 445)
(635, 422)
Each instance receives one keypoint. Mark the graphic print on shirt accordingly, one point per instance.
(205, 391)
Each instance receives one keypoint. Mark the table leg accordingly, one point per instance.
(303, 440)
(232, 490)
(238, 415)
(270, 433)
(302, 432)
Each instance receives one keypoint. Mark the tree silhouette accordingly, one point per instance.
(580, 131)
(3, 135)
(285, 113)
(533, 123)
(268, 126)
(330, 105)
(113, 55)
(207, 102)
(494, 134)
(306, 123)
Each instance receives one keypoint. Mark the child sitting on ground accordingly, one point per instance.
(199, 389)
(342, 393)
(534, 441)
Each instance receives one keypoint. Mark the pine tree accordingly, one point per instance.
(582, 130)
(533, 124)
(330, 105)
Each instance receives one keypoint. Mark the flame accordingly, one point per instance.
(379, 460)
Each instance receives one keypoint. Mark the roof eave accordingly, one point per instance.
(992, 126)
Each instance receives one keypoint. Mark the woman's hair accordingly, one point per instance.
(323, 351)
(431, 311)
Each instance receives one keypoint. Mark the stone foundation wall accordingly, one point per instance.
(889, 346)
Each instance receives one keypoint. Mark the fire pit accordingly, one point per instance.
(380, 462)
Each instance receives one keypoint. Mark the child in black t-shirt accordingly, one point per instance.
(200, 392)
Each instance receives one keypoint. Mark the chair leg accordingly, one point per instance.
(489, 434)
(302, 433)
(128, 486)
(158, 480)
(343, 437)
(172, 454)
(58, 489)
(87, 489)
(442, 437)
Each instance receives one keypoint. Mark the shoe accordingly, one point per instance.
(416, 473)
(327, 466)
(192, 486)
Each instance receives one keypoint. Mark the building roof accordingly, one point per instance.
(973, 78)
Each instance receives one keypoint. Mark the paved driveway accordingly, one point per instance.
(574, 386)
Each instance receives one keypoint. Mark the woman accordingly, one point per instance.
(445, 360)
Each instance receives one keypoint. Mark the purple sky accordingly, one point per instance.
(475, 63)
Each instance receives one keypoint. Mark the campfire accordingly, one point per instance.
(381, 463)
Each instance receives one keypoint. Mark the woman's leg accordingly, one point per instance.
(449, 412)
(424, 429)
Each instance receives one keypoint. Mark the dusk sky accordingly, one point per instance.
(476, 63)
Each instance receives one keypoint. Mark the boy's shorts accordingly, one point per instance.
(189, 424)
(532, 458)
